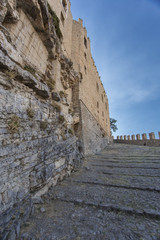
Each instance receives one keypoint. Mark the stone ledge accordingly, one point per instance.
(23, 76)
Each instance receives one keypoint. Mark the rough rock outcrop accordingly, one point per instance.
(38, 146)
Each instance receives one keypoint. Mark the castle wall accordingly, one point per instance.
(65, 22)
(91, 91)
(28, 43)
(93, 136)
(65, 16)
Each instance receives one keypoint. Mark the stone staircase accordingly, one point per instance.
(114, 196)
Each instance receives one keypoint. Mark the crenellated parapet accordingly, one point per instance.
(140, 139)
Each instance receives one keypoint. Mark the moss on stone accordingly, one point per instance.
(61, 119)
(14, 124)
(43, 125)
(30, 69)
(70, 131)
(55, 22)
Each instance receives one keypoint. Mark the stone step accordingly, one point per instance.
(120, 179)
(74, 221)
(115, 197)
(131, 182)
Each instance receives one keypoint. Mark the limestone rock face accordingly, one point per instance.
(3, 10)
(69, 77)
(38, 146)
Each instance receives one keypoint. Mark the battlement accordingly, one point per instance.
(140, 139)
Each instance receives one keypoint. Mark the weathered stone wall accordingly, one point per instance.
(36, 151)
(94, 137)
(89, 89)
(27, 42)
(65, 16)
(29, 154)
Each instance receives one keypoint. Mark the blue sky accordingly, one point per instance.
(125, 43)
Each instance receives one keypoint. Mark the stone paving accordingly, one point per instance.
(114, 196)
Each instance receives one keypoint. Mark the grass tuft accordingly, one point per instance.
(14, 124)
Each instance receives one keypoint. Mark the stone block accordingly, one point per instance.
(138, 137)
(133, 137)
(144, 136)
(152, 136)
(128, 137)
(125, 137)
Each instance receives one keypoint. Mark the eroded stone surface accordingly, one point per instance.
(101, 202)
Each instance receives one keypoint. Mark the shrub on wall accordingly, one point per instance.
(14, 124)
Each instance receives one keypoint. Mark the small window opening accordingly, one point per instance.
(97, 87)
(81, 77)
(85, 55)
(97, 104)
(102, 97)
(62, 19)
(85, 69)
(85, 42)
